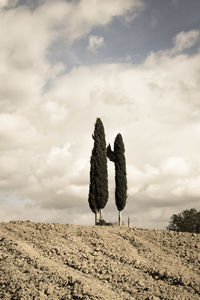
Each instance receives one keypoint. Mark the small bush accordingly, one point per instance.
(103, 223)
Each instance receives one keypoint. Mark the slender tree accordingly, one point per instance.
(118, 157)
(98, 191)
(92, 198)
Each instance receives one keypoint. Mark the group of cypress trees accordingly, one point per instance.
(98, 190)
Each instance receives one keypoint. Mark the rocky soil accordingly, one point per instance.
(54, 261)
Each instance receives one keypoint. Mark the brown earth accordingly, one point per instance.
(54, 261)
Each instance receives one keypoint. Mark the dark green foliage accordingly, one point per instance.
(120, 173)
(110, 153)
(98, 192)
(92, 198)
(186, 221)
(117, 156)
(103, 223)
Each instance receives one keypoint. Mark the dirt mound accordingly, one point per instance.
(53, 261)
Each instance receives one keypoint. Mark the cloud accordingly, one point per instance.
(175, 166)
(185, 40)
(95, 42)
(156, 115)
(46, 127)
(26, 46)
(73, 20)
(188, 187)
(3, 3)
(8, 3)
(86, 14)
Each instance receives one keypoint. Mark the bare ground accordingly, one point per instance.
(54, 261)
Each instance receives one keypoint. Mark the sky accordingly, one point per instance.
(136, 65)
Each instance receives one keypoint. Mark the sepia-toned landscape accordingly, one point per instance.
(54, 261)
(99, 150)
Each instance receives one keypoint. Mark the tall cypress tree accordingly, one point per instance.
(118, 157)
(91, 198)
(98, 191)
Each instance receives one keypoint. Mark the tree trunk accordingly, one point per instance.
(95, 218)
(120, 218)
(101, 214)
(128, 222)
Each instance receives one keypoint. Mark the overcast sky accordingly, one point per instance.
(133, 63)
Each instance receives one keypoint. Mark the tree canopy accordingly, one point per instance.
(186, 221)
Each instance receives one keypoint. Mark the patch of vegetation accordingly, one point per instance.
(186, 221)
(104, 223)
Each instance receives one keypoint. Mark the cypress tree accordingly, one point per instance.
(91, 198)
(98, 191)
(118, 157)
(120, 175)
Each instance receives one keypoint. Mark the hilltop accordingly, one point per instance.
(54, 261)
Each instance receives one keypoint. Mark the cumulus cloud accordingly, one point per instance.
(185, 40)
(86, 14)
(45, 131)
(95, 42)
(8, 3)
(157, 116)
(3, 3)
(175, 166)
(26, 37)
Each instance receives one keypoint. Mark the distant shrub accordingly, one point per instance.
(186, 221)
(103, 223)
